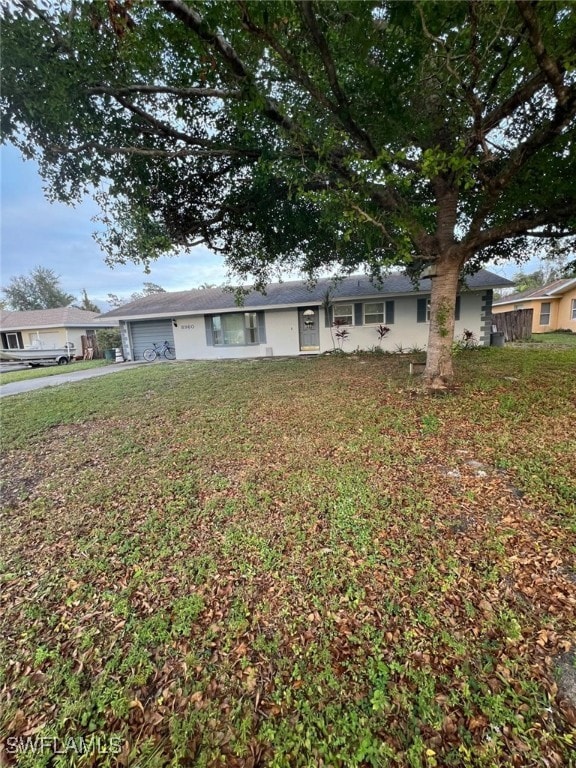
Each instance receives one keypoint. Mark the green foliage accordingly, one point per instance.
(334, 135)
(87, 304)
(38, 290)
(108, 338)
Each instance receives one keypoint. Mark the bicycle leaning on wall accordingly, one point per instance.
(157, 350)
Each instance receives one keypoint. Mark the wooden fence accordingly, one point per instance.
(514, 325)
(90, 350)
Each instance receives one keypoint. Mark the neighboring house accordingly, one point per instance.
(554, 305)
(291, 318)
(49, 328)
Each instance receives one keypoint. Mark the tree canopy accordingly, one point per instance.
(301, 133)
(38, 290)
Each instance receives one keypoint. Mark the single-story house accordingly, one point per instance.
(292, 318)
(553, 306)
(49, 328)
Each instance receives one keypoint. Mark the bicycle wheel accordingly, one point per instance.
(149, 355)
(169, 353)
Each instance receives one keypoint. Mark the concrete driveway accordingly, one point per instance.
(19, 387)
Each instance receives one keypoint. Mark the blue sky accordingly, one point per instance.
(35, 232)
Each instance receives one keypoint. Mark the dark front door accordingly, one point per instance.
(309, 330)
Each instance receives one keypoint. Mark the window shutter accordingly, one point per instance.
(328, 315)
(421, 311)
(358, 319)
(389, 317)
(457, 309)
(208, 326)
(261, 328)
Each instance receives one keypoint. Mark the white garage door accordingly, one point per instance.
(145, 333)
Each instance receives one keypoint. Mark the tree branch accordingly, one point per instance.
(299, 73)
(193, 21)
(61, 41)
(522, 95)
(378, 224)
(126, 90)
(159, 126)
(151, 151)
(307, 12)
(524, 226)
(549, 67)
(519, 158)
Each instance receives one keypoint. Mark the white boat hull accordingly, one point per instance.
(60, 356)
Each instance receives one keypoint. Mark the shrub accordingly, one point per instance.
(108, 338)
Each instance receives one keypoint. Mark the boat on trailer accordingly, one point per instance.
(38, 355)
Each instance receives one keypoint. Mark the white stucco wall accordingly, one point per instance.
(406, 332)
(281, 338)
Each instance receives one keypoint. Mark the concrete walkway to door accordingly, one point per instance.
(19, 387)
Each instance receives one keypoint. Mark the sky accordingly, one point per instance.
(35, 232)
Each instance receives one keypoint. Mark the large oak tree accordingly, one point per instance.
(423, 134)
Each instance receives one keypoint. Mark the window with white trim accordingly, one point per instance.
(12, 341)
(343, 314)
(545, 313)
(573, 313)
(238, 329)
(374, 313)
(428, 305)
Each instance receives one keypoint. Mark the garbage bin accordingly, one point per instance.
(110, 354)
(496, 339)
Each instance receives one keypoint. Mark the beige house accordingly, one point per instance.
(49, 328)
(553, 306)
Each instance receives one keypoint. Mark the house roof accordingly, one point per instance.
(551, 290)
(291, 293)
(68, 317)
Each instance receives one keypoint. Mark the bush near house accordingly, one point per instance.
(108, 338)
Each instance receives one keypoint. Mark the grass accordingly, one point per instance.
(7, 377)
(291, 563)
(555, 338)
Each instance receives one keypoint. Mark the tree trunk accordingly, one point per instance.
(439, 373)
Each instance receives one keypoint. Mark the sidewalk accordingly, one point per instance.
(19, 387)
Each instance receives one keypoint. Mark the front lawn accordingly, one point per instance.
(555, 338)
(291, 563)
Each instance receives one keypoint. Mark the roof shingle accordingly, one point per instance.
(291, 293)
(545, 291)
(48, 318)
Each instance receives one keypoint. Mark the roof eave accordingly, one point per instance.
(562, 288)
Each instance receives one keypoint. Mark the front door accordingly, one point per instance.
(309, 330)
